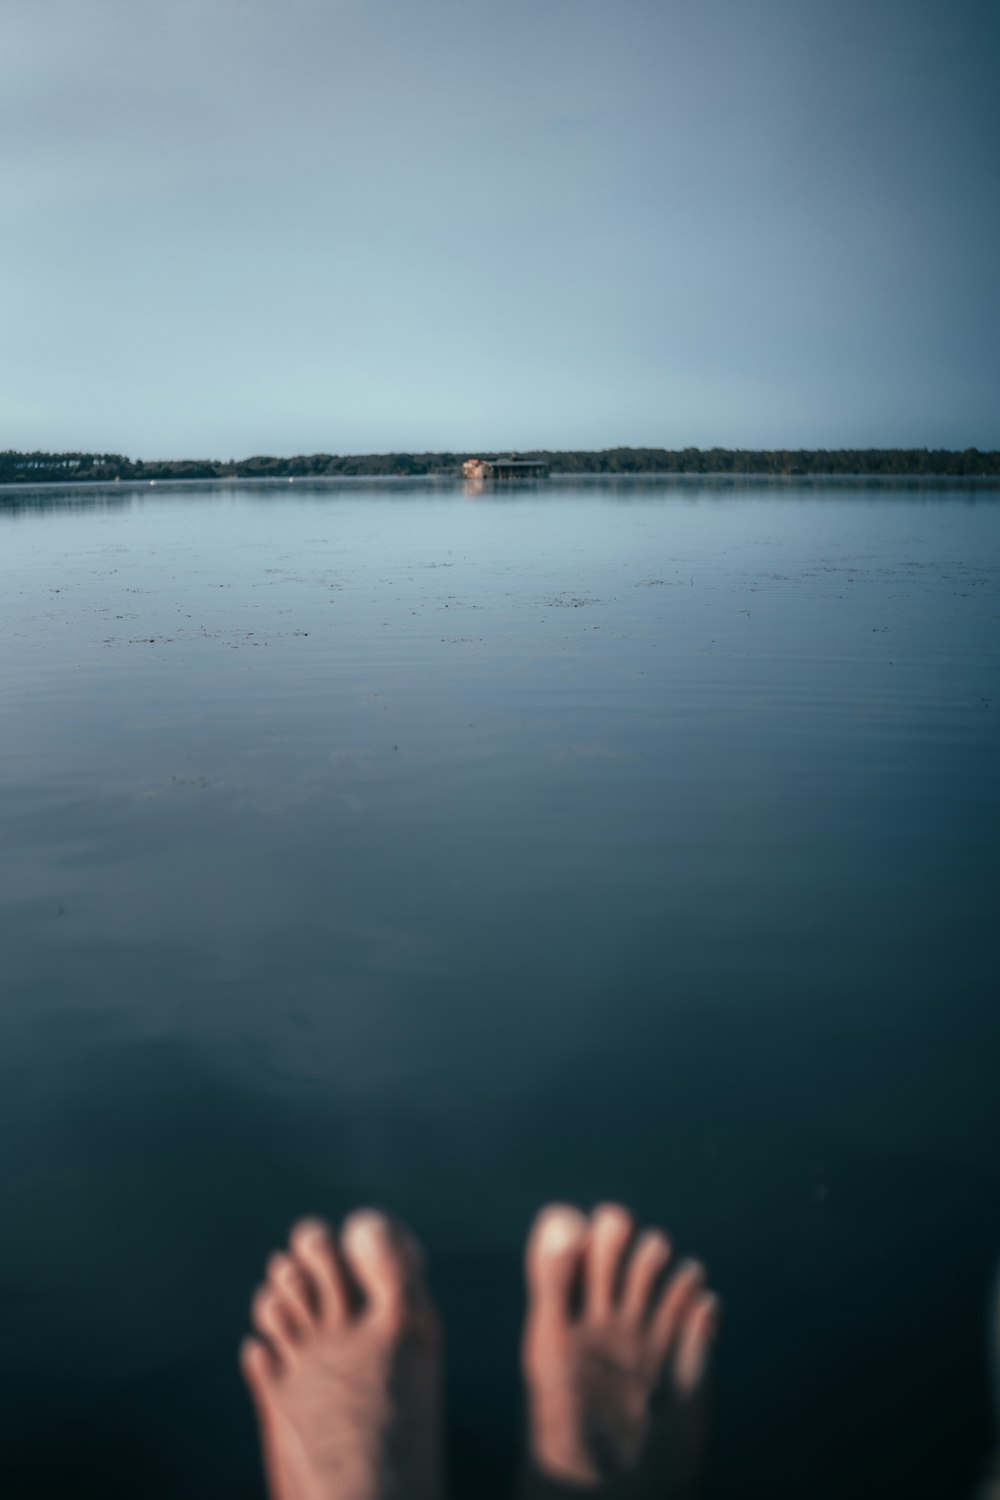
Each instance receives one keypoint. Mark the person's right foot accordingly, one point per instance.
(612, 1352)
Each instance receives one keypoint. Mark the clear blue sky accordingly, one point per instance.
(239, 226)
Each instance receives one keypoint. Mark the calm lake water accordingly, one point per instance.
(386, 842)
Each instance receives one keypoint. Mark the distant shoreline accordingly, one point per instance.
(17, 468)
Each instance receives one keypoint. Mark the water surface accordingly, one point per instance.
(388, 842)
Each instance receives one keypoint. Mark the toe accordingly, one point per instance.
(554, 1259)
(694, 1343)
(650, 1259)
(291, 1285)
(386, 1261)
(259, 1368)
(327, 1279)
(612, 1229)
(674, 1305)
(270, 1317)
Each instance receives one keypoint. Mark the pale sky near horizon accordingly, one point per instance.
(247, 226)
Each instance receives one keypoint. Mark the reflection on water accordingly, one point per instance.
(377, 842)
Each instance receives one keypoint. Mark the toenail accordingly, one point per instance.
(309, 1229)
(562, 1229)
(369, 1228)
(616, 1212)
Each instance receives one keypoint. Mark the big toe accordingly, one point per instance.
(554, 1257)
(387, 1261)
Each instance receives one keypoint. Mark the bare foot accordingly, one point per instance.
(614, 1357)
(346, 1376)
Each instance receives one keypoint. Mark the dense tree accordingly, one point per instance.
(35, 468)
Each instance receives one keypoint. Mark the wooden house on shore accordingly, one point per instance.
(504, 468)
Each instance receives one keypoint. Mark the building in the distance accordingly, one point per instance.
(505, 468)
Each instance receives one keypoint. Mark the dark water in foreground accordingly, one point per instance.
(386, 843)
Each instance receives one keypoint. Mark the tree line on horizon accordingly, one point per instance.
(35, 468)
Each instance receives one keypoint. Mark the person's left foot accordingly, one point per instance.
(346, 1376)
